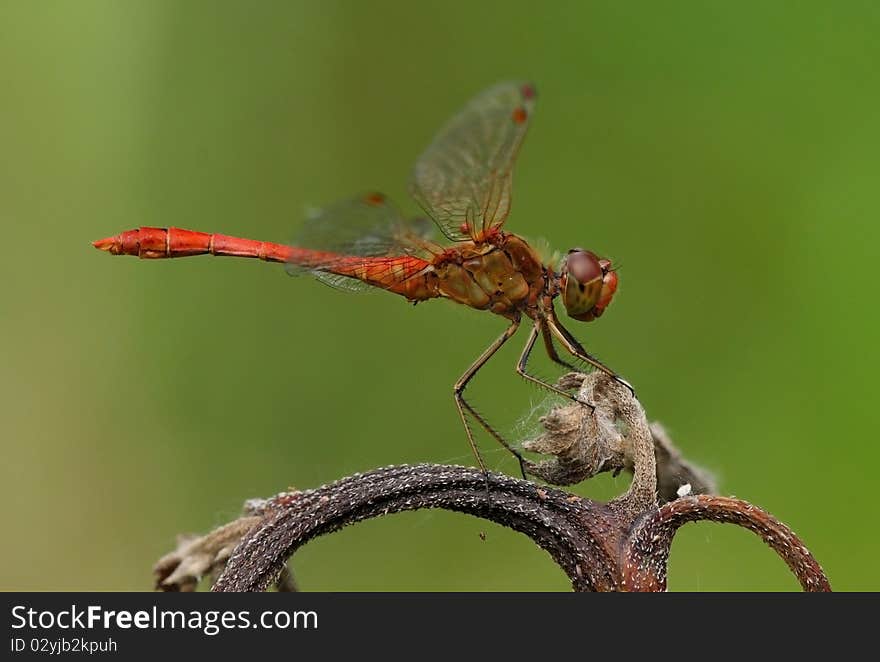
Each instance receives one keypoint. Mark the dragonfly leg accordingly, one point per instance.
(464, 408)
(551, 349)
(577, 350)
(492, 431)
(522, 364)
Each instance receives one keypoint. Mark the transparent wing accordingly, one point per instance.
(343, 282)
(463, 179)
(367, 225)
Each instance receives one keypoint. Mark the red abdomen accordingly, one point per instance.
(406, 275)
(155, 243)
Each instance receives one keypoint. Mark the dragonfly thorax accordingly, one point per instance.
(503, 275)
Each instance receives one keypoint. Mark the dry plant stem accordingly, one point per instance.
(644, 563)
(584, 444)
(621, 545)
(581, 536)
(673, 470)
(597, 546)
(197, 556)
(587, 440)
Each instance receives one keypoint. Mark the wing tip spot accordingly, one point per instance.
(528, 91)
(374, 199)
(520, 115)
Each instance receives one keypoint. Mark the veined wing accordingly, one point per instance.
(367, 225)
(463, 179)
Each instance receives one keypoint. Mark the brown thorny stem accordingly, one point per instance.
(622, 545)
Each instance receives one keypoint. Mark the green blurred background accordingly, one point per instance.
(724, 153)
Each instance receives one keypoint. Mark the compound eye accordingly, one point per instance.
(581, 284)
(584, 266)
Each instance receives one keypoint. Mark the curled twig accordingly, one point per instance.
(621, 545)
(574, 531)
(644, 563)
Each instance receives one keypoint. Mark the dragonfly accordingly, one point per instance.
(463, 183)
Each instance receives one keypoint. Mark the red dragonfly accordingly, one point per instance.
(463, 183)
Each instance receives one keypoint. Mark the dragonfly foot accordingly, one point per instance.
(620, 380)
(522, 466)
(485, 473)
(584, 403)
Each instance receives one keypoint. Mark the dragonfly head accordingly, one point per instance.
(588, 284)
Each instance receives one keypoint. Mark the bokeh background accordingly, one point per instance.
(726, 154)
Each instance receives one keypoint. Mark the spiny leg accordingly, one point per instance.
(576, 349)
(496, 435)
(522, 364)
(551, 349)
(464, 407)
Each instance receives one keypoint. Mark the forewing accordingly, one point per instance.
(463, 180)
